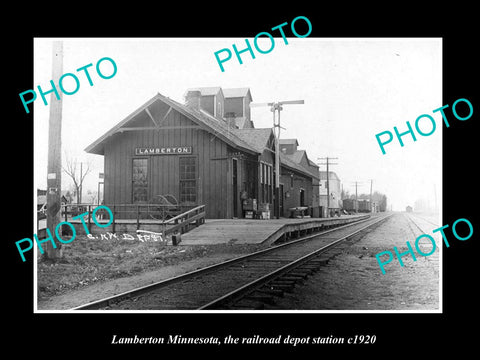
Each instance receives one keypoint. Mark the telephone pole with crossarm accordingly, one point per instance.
(54, 166)
(277, 106)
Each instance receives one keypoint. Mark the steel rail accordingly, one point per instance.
(98, 304)
(423, 219)
(411, 218)
(247, 289)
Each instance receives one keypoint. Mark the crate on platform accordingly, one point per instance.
(248, 214)
(264, 207)
(250, 204)
(265, 215)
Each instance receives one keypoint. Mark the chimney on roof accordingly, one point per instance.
(192, 99)
(230, 119)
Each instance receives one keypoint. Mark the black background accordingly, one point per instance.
(60, 335)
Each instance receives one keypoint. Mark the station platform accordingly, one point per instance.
(265, 232)
(228, 231)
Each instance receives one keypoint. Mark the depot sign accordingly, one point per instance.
(164, 150)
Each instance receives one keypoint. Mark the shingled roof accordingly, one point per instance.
(297, 155)
(286, 161)
(256, 138)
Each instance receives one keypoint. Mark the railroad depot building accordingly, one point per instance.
(206, 151)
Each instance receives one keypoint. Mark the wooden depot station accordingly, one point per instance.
(205, 152)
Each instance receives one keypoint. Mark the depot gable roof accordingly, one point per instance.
(289, 163)
(259, 138)
(253, 141)
(207, 122)
(256, 138)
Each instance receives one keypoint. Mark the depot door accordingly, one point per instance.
(302, 197)
(235, 193)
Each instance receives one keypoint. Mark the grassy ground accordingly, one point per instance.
(86, 261)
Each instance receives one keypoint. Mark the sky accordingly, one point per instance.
(353, 88)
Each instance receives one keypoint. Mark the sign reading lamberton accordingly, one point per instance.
(164, 150)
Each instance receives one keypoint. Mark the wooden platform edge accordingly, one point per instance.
(305, 226)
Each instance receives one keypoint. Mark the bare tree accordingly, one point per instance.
(71, 168)
(93, 196)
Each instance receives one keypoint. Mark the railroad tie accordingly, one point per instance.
(311, 266)
(286, 286)
(254, 266)
(308, 269)
(317, 262)
(246, 303)
(270, 291)
(298, 274)
(266, 299)
(243, 307)
(295, 278)
(275, 260)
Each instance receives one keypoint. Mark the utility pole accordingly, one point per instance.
(54, 166)
(371, 204)
(81, 186)
(277, 106)
(356, 196)
(328, 180)
(276, 132)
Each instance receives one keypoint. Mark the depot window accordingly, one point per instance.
(266, 182)
(140, 180)
(188, 183)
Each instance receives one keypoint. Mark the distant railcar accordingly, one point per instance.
(349, 205)
(363, 206)
(352, 205)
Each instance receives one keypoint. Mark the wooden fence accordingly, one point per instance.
(181, 223)
(171, 218)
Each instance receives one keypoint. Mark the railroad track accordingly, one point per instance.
(246, 282)
(425, 227)
(425, 220)
(415, 229)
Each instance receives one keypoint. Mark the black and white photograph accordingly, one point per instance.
(297, 180)
(216, 180)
